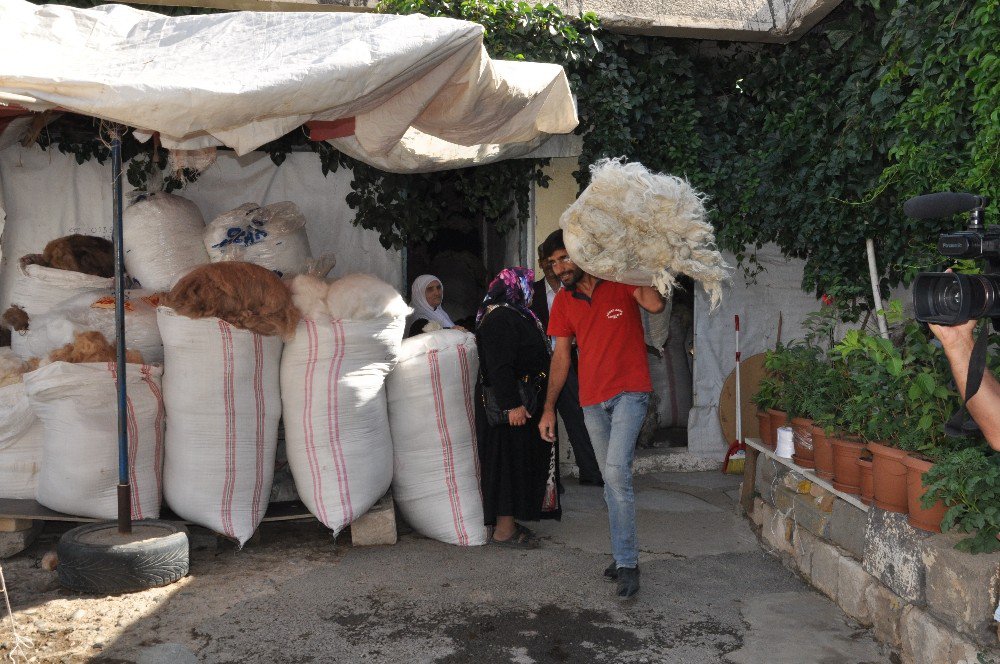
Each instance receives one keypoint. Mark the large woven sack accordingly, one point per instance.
(336, 425)
(20, 444)
(162, 234)
(220, 387)
(94, 311)
(272, 236)
(38, 289)
(78, 407)
(435, 478)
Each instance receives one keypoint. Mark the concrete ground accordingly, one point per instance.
(709, 594)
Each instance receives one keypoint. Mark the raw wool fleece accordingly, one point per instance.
(162, 235)
(309, 295)
(364, 297)
(220, 385)
(244, 295)
(78, 405)
(20, 432)
(87, 254)
(334, 405)
(642, 228)
(272, 236)
(91, 312)
(435, 479)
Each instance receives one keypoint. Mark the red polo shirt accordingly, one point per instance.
(609, 336)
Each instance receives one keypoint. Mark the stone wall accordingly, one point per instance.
(931, 602)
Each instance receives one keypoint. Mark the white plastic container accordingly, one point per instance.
(786, 445)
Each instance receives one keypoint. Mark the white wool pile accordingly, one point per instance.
(11, 367)
(364, 297)
(634, 226)
(309, 295)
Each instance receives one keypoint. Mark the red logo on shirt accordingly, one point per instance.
(615, 313)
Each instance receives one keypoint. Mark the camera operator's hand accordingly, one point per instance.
(955, 338)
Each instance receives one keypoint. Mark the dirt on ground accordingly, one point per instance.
(60, 625)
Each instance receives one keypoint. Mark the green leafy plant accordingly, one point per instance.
(969, 481)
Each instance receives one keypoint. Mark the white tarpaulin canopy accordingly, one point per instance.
(416, 93)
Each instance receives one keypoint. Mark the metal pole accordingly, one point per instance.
(876, 296)
(124, 490)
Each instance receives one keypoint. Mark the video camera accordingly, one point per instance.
(946, 298)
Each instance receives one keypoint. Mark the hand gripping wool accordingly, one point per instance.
(642, 228)
(435, 479)
(162, 234)
(272, 236)
(20, 433)
(220, 388)
(336, 425)
(78, 407)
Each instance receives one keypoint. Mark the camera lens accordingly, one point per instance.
(946, 297)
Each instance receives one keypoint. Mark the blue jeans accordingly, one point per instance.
(614, 426)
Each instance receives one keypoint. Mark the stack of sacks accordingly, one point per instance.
(20, 432)
(75, 397)
(642, 228)
(222, 330)
(435, 479)
(273, 236)
(90, 311)
(162, 236)
(333, 392)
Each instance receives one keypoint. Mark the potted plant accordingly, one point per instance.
(968, 480)
(766, 399)
(830, 388)
(802, 368)
(778, 363)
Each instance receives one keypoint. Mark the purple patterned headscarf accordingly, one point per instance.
(513, 287)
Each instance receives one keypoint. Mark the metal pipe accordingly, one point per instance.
(124, 490)
(876, 296)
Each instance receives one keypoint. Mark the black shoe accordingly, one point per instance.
(611, 571)
(628, 582)
(589, 482)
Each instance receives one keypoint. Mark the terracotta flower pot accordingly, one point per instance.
(822, 454)
(776, 418)
(802, 438)
(764, 427)
(867, 481)
(889, 475)
(846, 472)
(925, 519)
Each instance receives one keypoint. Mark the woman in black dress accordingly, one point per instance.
(517, 465)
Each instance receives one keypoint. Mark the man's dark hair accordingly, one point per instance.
(553, 243)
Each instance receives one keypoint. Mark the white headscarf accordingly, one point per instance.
(418, 300)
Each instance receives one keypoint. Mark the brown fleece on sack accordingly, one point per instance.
(245, 295)
(77, 253)
(15, 318)
(91, 347)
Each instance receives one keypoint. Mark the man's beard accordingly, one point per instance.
(570, 278)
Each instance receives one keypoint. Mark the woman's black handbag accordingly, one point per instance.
(528, 387)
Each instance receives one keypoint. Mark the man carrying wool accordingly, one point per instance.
(604, 318)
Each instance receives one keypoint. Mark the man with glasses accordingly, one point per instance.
(603, 317)
(568, 403)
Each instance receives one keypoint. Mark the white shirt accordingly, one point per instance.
(550, 295)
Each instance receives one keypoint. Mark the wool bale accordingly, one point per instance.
(162, 237)
(272, 236)
(20, 432)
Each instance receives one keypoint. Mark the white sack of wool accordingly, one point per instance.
(78, 407)
(162, 235)
(220, 388)
(90, 311)
(435, 478)
(20, 432)
(642, 228)
(39, 289)
(272, 236)
(333, 395)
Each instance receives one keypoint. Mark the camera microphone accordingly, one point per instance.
(944, 204)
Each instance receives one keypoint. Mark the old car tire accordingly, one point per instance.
(95, 558)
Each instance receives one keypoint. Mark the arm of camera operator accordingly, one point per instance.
(558, 370)
(984, 407)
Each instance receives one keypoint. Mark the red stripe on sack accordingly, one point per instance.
(312, 350)
(160, 414)
(228, 486)
(674, 409)
(333, 419)
(470, 410)
(446, 448)
(258, 391)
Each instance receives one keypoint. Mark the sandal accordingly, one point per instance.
(522, 538)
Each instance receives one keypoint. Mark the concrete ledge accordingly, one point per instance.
(961, 589)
